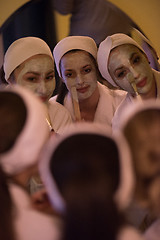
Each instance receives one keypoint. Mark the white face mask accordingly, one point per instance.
(79, 71)
(126, 59)
(37, 74)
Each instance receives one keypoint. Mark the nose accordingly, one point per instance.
(79, 79)
(134, 72)
(42, 87)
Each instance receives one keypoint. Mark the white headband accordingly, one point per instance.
(137, 107)
(22, 49)
(123, 195)
(34, 134)
(72, 43)
(105, 48)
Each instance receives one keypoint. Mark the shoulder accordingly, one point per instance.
(116, 121)
(119, 95)
(116, 94)
(59, 115)
(57, 108)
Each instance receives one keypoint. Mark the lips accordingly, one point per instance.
(82, 90)
(142, 83)
(43, 98)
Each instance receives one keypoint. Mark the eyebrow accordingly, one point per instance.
(36, 73)
(87, 65)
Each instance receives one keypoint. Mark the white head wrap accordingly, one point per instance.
(72, 43)
(105, 48)
(22, 49)
(123, 195)
(139, 106)
(34, 134)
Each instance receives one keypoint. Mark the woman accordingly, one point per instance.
(89, 187)
(124, 64)
(75, 59)
(23, 133)
(141, 128)
(29, 62)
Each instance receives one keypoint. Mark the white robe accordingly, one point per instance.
(59, 116)
(108, 102)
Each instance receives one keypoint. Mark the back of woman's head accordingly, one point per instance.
(87, 172)
(86, 157)
(13, 110)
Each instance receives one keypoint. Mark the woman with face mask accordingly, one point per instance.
(29, 62)
(124, 64)
(75, 59)
(140, 126)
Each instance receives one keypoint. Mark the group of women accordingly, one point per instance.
(93, 148)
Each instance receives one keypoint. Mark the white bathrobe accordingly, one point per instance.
(108, 102)
(59, 116)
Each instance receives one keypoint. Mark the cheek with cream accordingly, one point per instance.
(38, 68)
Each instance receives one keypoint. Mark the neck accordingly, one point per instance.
(88, 106)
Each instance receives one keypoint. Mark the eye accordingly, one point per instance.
(87, 70)
(31, 79)
(136, 59)
(50, 77)
(121, 74)
(68, 75)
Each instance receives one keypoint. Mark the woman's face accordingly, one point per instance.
(128, 59)
(37, 74)
(78, 70)
(147, 150)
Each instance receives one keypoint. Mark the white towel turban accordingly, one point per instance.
(22, 49)
(72, 43)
